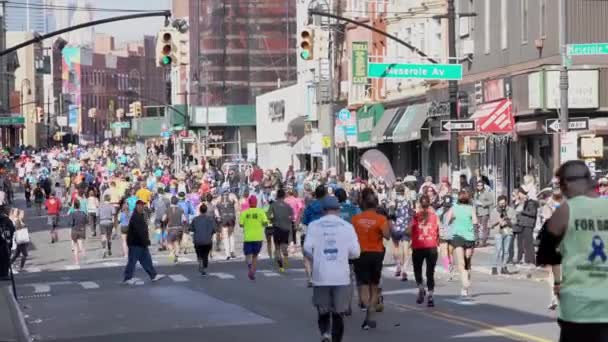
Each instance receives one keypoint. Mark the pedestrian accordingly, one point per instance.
(464, 220)
(281, 215)
(123, 221)
(7, 231)
(577, 229)
(160, 205)
(92, 211)
(78, 233)
(22, 239)
(203, 227)
(527, 213)
(330, 244)
(106, 225)
(502, 219)
(424, 230)
(371, 229)
(253, 221)
(138, 240)
(53, 210)
(39, 198)
(175, 228)
(484, 200)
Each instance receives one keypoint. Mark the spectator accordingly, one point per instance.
(501, 223)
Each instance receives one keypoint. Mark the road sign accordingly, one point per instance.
(458, 125)
(574, 124)
(165, 134)
(11, 120)
(587, 49)
(344, 114)
(124, 124)
(418, 71)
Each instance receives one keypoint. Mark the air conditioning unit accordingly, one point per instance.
(468, 47)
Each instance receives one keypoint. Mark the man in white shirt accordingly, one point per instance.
(330, 243)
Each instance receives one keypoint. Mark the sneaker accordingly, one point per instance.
(403, 276)
(326, 337)
(348, 312)
(109, 253)
(227, 258)
(365, 325)
(250, 275)
(464, 293)
(380, 305)
(129, 282)
(203, 273)
(158, 277)
(421, 295)
(397, 273)
(175, 259)
(105, 255)
(232, 255)
(430, 302)
(505, 271)
(309, 284)
(281, 270)
(494, 271)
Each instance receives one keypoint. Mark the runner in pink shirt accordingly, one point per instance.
(297, 205)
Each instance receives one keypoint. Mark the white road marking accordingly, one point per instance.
(33, 269)
(267, 273)
(41, 288)
(467, 302)
(395, 292)
(138, 281)
(184, 259)
(222, 275)
(89, 285)
(111, 264)
(72, 267)
(178, 278)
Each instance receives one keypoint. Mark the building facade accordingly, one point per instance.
(28, 16)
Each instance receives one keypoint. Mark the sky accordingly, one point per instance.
(132, 29)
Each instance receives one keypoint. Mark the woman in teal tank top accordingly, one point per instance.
(463, 221)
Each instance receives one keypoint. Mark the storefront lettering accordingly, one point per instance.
(366, 124)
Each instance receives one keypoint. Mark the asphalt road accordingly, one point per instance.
(65, 303)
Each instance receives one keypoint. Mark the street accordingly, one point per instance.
(65, 303)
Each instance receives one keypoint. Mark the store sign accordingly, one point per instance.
(359, 62)
(568, 147)
(583, 89)
(494, 90)
(592, 147)
(439, 109)
(346, 127)
(276, 111)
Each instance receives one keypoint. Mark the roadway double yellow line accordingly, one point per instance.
(471, 323)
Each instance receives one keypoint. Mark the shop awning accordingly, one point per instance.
(389, 116)
(407, 124)
(494, 117)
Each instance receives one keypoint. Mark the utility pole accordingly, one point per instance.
(453, 157)
(48, 121)
(563, 74)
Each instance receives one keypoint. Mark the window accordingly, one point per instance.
(543, 19)
(486, 24)
(504, 24)
(524, 21)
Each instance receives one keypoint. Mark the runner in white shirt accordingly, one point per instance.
(330, 243)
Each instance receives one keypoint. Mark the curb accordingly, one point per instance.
(21, 329)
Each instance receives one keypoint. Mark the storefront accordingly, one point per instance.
(368, 116)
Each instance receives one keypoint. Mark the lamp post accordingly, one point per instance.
(93, 115)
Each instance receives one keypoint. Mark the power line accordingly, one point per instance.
(72, 8)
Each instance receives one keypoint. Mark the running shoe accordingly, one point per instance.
(403, 276)
(158, 277)
(430, 302)
(421, 295)
(130, 282)
(464, 293)
(250, 274)
(309, 284)
(281, 270)
(326, 337)
(397, 273)
(232, 255)
(380, 305)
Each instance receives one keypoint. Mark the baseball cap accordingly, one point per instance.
(330, 203)
(139, 202)
(253, 201)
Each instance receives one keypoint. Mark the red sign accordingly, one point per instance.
(495, 117)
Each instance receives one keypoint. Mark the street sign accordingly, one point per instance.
(458, 125)
(11, 120)
(574, 124)
(344, 114)
(116, 125)
(418, 71)
(587, 49)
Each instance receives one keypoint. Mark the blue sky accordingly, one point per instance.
(132, 29)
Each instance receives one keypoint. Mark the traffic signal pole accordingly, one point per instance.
(453, 157)
(40, 38)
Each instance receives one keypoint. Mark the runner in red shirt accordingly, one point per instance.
(424, 230)
(53, 210)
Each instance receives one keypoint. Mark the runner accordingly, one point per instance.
(313, 212)
(106, 225)
(78, 221)
(331, 243)
(400, 237)
(92, 209)
(53, 210)
(281, 215)
(253, 221)
(160, 206)
(203, 227)
(464, 220)
(424, 230)
(371, 228)
(226, 215)
(446, 234)
(175, 218)
(123, 221)
(39, 197)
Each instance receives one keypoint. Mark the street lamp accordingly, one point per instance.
(93, 115)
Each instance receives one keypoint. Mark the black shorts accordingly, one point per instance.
(280, 236)
(368, 268)
(459, 241)
(583, 331)
(227, 221)
(269, 231)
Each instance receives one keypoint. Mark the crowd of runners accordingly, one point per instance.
(130, 202)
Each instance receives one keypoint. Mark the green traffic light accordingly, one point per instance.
(305, 55)
(166, 60)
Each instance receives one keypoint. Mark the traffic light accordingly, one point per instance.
(131, 109)
(137, 109)
(321, 44)
(39, 115)
(166, 47)
(306, 43)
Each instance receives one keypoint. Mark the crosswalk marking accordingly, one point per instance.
(41, 288)
(89, 285)
(269, 273)
(111, 264)
(184, 259)
(222, 275)
(72, 267)
(33, 269)
(178, 278)
(138, 281)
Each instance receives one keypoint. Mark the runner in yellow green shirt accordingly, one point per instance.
(253, 221)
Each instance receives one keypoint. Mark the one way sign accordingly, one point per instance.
(574, 124)
(457, 125)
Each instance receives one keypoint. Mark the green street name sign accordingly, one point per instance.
(587, 49)
(12, 120)
(418, 71)
(125, 124)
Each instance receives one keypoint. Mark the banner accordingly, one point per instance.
(359, 62)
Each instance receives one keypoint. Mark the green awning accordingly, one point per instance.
(368, 117)
(389, 117)
(409, 125)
